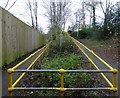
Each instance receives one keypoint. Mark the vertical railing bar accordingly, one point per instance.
(114, 81)
(32, 59)
(62, 89)
(10, 78)
(91, 59)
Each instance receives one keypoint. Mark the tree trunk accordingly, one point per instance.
(94, 20)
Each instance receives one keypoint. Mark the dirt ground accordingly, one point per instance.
(108, 49)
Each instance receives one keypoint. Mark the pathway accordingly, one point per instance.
(4, 74)
(102, 66)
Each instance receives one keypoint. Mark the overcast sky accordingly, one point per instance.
(20, 11)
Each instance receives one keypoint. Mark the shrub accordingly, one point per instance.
(70, 62)
(84, 33)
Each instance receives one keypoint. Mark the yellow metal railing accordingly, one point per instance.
(82, 47)
(62, 72)
(40, 52)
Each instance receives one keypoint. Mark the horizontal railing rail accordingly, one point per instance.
(66, 71)
(62, 72)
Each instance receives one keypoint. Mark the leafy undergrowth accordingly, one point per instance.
(68, 59)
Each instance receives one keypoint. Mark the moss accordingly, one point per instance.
(11, 58)
(7, 60)
(0, 62)
(42, 40)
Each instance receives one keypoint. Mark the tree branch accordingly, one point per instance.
(12, 5)
(6, 4)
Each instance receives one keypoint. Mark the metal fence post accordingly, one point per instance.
(91, 59)
(33, 64)
(114, 81)
(43, 54)
(78, 48)
(62, 89)
(39, 57)
(47, 51)
(82, 51)
(10, 88)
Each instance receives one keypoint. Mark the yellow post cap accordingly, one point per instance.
(62, 89)
(11, 89)
(114, 70)
(10, 70)
(114, 89)
(62, 71)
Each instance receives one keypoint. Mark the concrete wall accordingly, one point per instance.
(17, 38)
(0, 37)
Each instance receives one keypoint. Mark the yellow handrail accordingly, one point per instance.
(114, 71)
(106, 64)
(11, 70)
(30, 65)
(30, 56)
(108, 81)
(24, 73)
(62, 88)
(27, 58)
(62, 72)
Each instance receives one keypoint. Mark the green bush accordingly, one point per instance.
(84, 33)
(70, 62)
(74, 34)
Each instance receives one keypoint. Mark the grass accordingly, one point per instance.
(101, 43)
(107, 49)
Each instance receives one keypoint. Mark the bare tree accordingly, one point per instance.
(35, 13)
(79, 18)
(92, 5)
(66, 13)
(105, 10)
(29, 5)
(80, 13)
(57, 13)
(6, 4)
(83, 13)
(32, 6)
